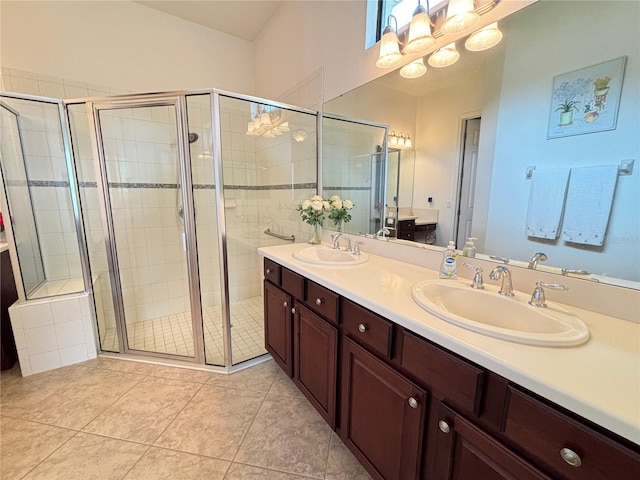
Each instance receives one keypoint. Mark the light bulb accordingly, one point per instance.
(407, 142)
(414, 69)
(461, 16)
(390, 54)
(445, 56)
(420, 39)
(484, 38)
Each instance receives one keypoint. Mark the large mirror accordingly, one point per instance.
(505, 102)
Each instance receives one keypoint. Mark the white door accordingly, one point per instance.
(467, 180)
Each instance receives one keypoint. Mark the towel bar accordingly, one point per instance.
(625, 168)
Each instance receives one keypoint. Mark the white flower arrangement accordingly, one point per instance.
(339, 211)
(312, 210)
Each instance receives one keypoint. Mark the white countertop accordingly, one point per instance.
(599, 380)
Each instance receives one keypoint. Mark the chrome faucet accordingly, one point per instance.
(477, 278)
(383, 232)
(506, 288)
(356, 248)
(537, 297)
(537, 257)
(336, 240)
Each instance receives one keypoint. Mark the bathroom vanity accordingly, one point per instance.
(415, 397)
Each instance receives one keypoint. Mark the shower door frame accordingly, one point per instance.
(384, 150)
(178, 102)
(74, 194)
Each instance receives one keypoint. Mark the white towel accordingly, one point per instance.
(546, 202)
(589, 201)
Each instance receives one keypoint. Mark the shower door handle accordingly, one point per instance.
(181, 212)
(184, 240)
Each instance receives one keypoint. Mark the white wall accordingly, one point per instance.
(304, 36)
(121, 44)
(521, 130)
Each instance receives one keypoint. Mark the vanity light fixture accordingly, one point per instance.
(399, 140)
(415, 69)
(461, 16)
(445, 56)
(420, 39)
(390, 54)
(484, 38)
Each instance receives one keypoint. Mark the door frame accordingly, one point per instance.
(178, 102)
(463, 121)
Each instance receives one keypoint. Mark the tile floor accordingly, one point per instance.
(116, 419)
(173, 333)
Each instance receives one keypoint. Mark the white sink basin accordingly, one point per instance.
(507, 318)
(324, 255)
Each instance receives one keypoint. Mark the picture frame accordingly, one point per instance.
(586, 100)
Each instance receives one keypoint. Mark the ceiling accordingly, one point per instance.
(241, 18)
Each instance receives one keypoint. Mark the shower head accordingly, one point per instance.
(193, 137)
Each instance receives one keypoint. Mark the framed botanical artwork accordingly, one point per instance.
(586, 100)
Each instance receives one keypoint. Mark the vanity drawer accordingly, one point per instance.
(546, 434)
(292, 283)
(366, 328)
(322, 301)
(456, 381)
(272, 271)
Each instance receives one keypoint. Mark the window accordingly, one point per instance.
(378, 12)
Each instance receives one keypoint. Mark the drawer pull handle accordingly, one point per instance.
(444, 426)
(571, 457)
(319, 301)
(362, 327)
(285, 304)
(413, 403)
(293, 310)
(268, 271)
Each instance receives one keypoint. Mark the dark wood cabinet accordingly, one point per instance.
(382, 415)
(406, 229)
(408, 408)
(301, 334)
(8, 295)
(565, 447)
(465, 452)
(315, 360)
(278, 326)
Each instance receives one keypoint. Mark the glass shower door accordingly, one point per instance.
(142, 179)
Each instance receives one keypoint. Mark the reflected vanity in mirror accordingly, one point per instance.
(503, 100)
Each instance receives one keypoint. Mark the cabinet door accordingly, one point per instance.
(315, 360)
(277, 326)
(466, 452)
(382, 415)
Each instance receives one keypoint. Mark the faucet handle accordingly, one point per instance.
(477, 278)
(538, 298)
(356, 248)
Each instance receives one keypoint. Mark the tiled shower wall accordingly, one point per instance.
(49, 188)
(265, 180)
(348, 168)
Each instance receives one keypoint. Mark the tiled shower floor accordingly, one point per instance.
(173, 334)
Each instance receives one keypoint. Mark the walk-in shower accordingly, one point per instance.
(175, 193)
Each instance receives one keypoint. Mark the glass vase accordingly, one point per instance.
(340, 226)
(314, 236)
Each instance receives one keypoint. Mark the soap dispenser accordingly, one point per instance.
(469, 249)
(449, 267)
